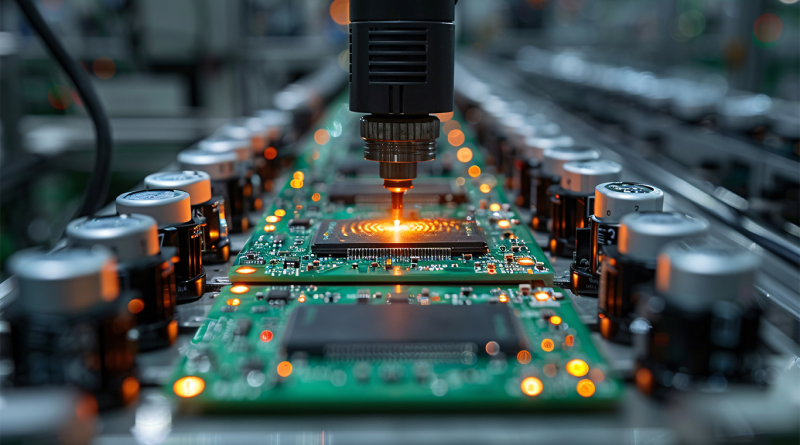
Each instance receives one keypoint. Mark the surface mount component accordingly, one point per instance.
(442, 238)
(410, 331)
(367, 191)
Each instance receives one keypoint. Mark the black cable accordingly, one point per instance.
(97, 188)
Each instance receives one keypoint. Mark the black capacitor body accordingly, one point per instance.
(541, 183)
(234, 191)
(590, 246)
(402, 56)
(189, 272)
(617, 297)
(216, 244)
(152, 279)
(91, 351)
(684, 349)
(524, 171)
(569, 211)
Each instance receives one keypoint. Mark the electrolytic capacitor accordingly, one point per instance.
(70, 325)
(145, 271)
(572, 201)
(244, 169)
(216, 244)
(178, 228)
(699, 329)
(549, 175)
(632, 263)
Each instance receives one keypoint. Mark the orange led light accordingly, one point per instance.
(585, 388)
(273, 219)
(525, 262)
(189, 386)
(455, 137)
(569, 340)
(136, 305)
(296, 183)
(503, 223)
(270, 153)
(233, 302)
(503, 298)
(548, 345)
(577, 367)
(464, 154)
(299, 175)
(555, 319)
(322, 136)
(532, 386)
(397, 271)
(315, 197)
(524, 357)
(485, 188)
(541, 296)
(280, 212)
(269, 228)
(494, 207)
(474, 171)
(301, 299)
(239, 289)
(266, 336)
(130, 389)
(284, 369)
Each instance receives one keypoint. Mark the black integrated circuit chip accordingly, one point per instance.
(357, 330)
(425, 237)
(426, 190)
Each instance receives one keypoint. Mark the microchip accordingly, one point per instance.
(278, 294)
(424, 238)
(435, 331)
(397, 298)
(291, 261)
(300, 222)
(371, 191)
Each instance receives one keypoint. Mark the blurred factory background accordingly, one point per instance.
(719, 78)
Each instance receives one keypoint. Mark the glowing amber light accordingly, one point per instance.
(316, 197)
(130, 389)
(644, 380)
(280, 212)
(503, 223)
(577, 367)
(269, 228)
(474, 171)
(525, 261)
(284, 369)
(322, 136)
(455, 138)
(299, 175)
(233, 302)
(246, 270)
(541, 296)
(340, 11)
(296, 184)
(266, 336)
(503, 298)
(494, 207)
(136, 305)
(302, 299)
(555, 319)
(524, 357)
(585, 388)
(444, 117)
(532, 386)
(270, 153)
(485, 188)
(569, 340)
(548, 345)
(464, 154)
(397, 271)
(239, 289)
(189, 386)
(273, 219)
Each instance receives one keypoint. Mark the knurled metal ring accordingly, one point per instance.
(390, 128)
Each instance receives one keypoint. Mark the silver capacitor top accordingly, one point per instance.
(695, 275)
(68, 281)
(584, 176)
(613, 200)
(535, 146)
(555, 158)
(167, 207)
(219, 166)
(641, 235)
(194, 182)
(130, 237)
(225, 144)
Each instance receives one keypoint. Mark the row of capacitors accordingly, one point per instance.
(683, 298)
(83, 312)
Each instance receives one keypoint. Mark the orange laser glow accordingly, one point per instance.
(474, 171)
(503, 298)
(284, 369)
(541, 296)
(239, 289)
(585, 388)
(246, 270)
(532, 386)
(495, 207)
(524, 357)
(322, 136)
(548, 345)
(266, 336)
(464, 154)
(189, 386)
(525, 262)
(577, 367)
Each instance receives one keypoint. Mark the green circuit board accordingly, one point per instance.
(392, 348)
(330, 224)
